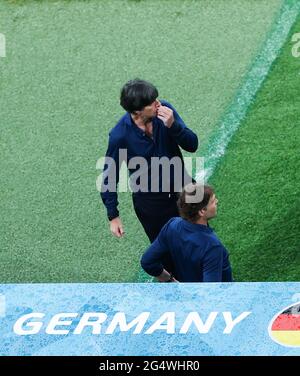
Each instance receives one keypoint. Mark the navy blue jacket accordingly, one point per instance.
(197, 253)
(165, 143)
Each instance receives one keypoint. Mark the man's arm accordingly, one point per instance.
(109, 186)
(151, 260)
(184, 137)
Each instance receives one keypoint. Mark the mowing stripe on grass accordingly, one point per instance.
(232, 118)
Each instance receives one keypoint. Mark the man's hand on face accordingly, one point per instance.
(116, 227)
(165, 114)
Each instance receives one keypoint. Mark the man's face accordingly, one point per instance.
(150, 111)
(211, 208)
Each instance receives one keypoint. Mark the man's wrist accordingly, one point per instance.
(111, 217)
(171, 278)
(164, 278)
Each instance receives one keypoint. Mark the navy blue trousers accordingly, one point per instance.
(153, 211)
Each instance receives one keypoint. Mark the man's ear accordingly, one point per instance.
(202, 212)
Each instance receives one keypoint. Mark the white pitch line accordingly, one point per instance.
(233, 117)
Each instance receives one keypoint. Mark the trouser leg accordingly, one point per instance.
(153, 213)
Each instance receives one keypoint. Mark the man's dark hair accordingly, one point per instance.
(189, 210)
(136, 94)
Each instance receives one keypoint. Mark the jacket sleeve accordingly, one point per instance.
(184, 137)
(151, 260)
(110, 178)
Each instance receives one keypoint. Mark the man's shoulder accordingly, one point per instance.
(124, 121)
(118, 132)
(173, 223)
(214, 243)
(212, 238)
(169, 228)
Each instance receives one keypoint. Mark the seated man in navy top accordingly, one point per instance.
(150, 129)
(197, 253)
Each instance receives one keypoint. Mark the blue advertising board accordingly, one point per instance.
(150, 319)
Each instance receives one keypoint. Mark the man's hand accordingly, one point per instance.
(116, 227)
(165, 276)
(165, 114)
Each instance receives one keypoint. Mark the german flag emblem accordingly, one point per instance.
(285, 327)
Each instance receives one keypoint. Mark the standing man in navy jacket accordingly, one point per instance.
(195, 250)
(150, 128)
